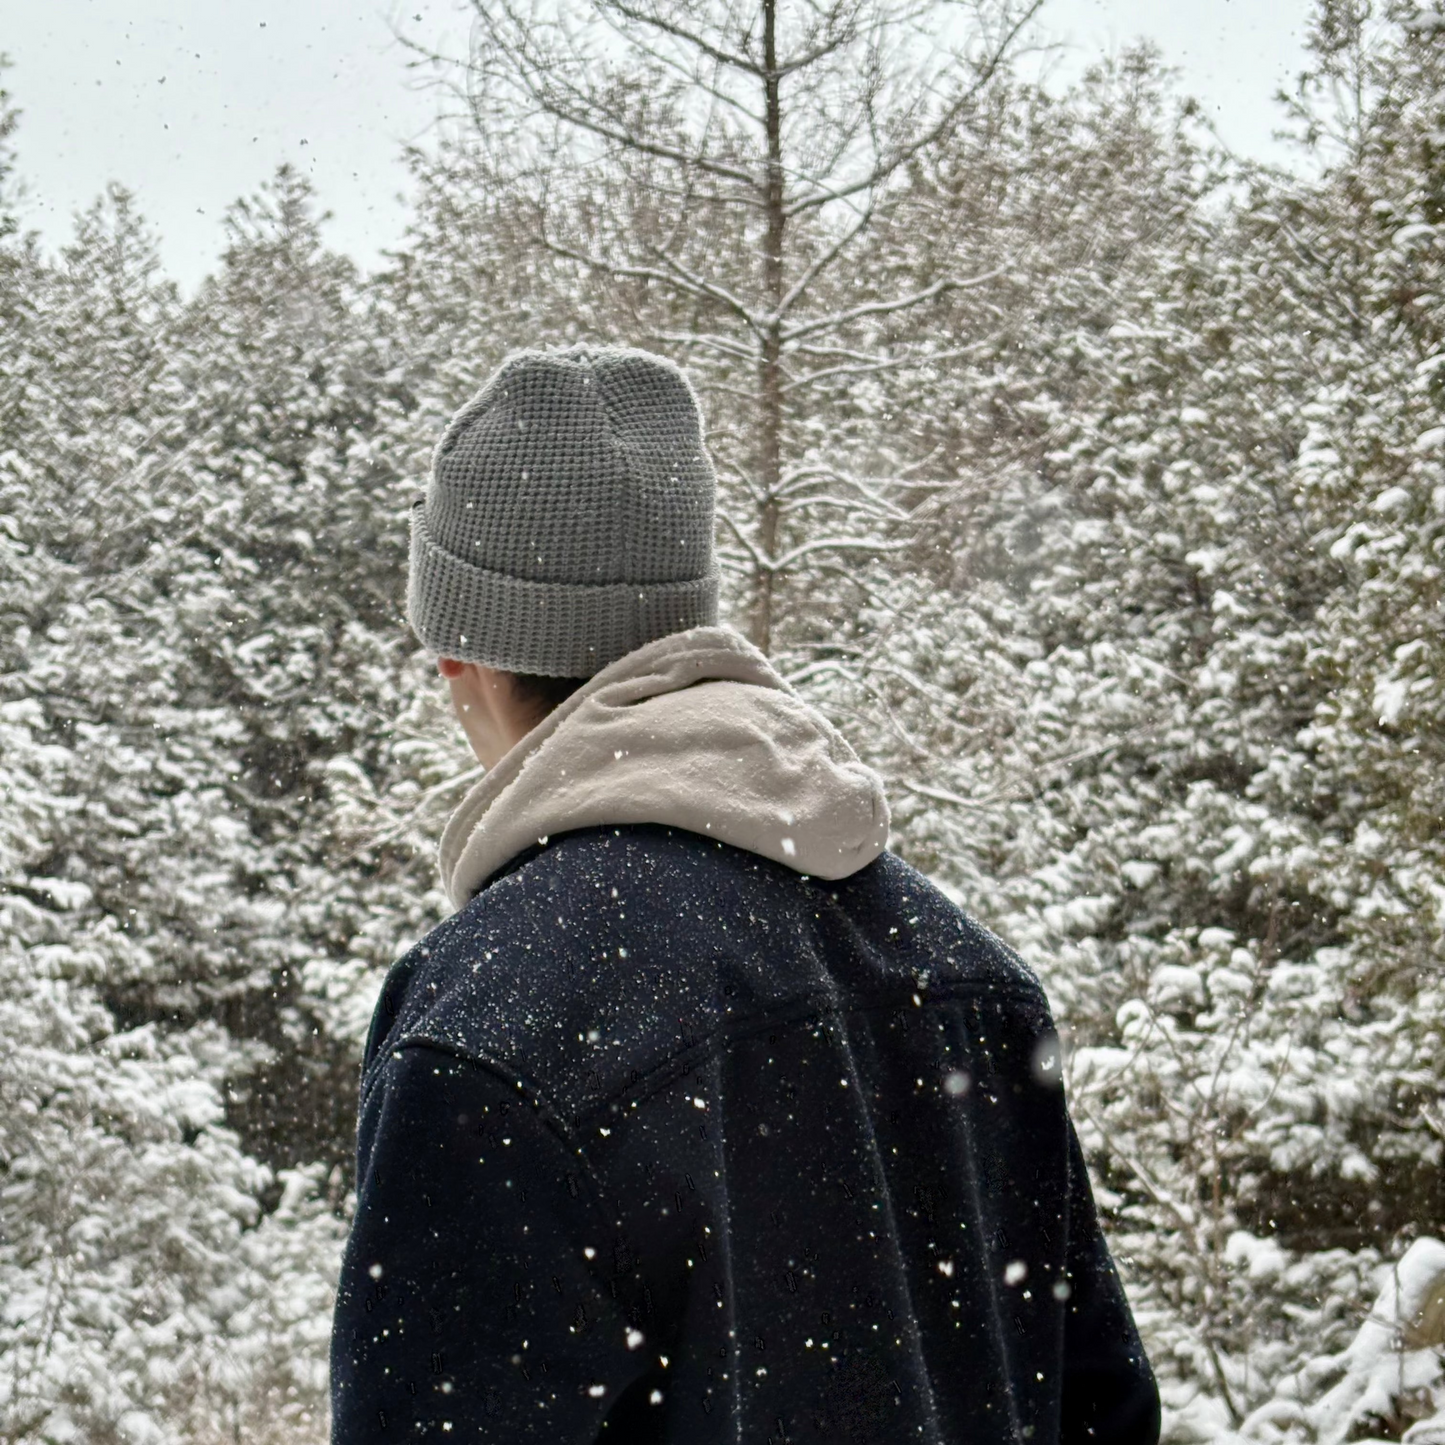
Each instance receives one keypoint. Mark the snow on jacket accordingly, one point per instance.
(710, 1120)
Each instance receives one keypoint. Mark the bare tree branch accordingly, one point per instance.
(693, 38)
(888, 166)
(677, 277)
(885, 308)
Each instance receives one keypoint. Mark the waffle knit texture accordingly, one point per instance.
(569, 516)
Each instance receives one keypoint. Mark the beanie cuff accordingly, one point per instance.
(551, 629)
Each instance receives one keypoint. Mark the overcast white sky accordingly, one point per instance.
(191, 103)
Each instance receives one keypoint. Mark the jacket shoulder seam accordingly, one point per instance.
(550, 1118)
(485, 1062)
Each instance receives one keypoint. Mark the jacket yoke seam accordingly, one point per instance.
(821, 1002)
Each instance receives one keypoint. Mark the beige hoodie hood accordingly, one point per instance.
(694, 730)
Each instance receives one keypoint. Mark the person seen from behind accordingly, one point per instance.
(704, 1117)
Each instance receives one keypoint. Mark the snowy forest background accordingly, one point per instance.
(1089, 478)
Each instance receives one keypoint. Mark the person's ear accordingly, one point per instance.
(450, 668)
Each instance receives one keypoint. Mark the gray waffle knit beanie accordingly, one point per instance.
(569, 518)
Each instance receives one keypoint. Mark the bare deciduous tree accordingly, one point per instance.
(730, 159)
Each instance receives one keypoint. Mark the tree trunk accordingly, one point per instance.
(770, 379)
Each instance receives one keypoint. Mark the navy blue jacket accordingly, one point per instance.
(663, 1142)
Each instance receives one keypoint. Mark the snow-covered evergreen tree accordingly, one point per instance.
(145, 1295)
(1143, 627)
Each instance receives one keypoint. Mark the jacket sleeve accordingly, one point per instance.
(473, 1301)
(1109, 1393)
